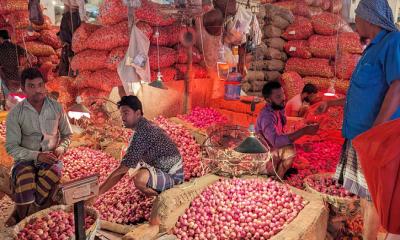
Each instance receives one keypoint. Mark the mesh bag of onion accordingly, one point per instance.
(301, 29)
(56, 222)
(341, 201)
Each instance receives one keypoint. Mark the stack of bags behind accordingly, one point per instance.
(269, 58)
(322, 47)
(100, 48)
(42, 43)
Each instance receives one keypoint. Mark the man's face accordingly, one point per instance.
(35, 89)
(277, 99)
(362, 27)
(130, 117)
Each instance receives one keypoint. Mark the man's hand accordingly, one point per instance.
(58, 152)
(311, 129)
(90, 201)
(322, 108)
(47, 157)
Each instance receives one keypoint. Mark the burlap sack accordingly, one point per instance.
(272, 75)
(171, 204)
(254, 75)
(258, 85)
(142, 232)
(272, 32)
(279, 22)
(276, 42)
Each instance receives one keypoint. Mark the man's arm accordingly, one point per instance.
(65, 130)
(14, 138)
(390, 104)
(113, 179)
(268, 128)
(307, 130)
(324, 106)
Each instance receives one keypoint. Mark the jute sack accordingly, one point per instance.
(142, 232)
(171, 204)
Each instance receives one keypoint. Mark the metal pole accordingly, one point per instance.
(79, 217)
(188, 77)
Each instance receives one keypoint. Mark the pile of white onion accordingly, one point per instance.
(239, 209)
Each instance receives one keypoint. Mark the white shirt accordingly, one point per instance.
(293, 106)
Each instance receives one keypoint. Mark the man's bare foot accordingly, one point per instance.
(12, 220)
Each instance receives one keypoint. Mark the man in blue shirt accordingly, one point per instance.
(372, 98)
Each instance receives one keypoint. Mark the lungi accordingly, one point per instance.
(161, 181)
(349, 172)
(278, 157)
(33, 184)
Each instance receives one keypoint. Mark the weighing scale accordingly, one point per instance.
(77, 192)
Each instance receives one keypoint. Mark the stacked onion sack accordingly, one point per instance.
(321, 46)
(100, 48)
(42, 43)
(269, 58)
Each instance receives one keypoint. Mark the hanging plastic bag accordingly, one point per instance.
(135, 67)
(35, 12)
(239, 27)
(379, 154)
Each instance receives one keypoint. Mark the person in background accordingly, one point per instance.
(74, 14)
(9, 71)
(38, 134)
(299, 104)
(372, 98)
(270, 124)
(151, 152)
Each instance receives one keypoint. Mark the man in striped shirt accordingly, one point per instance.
(38, 134)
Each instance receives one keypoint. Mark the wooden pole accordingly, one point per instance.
(187, 103)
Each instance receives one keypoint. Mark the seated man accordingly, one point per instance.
(270, 124)
(299, 104)
(150, 150)
(38, 133)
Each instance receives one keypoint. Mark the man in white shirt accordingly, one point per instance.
(298, 105)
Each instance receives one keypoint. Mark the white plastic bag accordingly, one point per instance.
(239, 27)
(135, 68)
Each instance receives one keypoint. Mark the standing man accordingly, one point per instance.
(299, 104)
(74, 14)
(9, 54)
(150, 150)
(372, 98)
(38, 134)
(270, 124)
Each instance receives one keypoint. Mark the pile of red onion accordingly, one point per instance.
(3, 131)
(124, 204)
(187, 146)
(57, 225)
(322, 157)
(328, 186)
(204, 117)
(239, 209)
(82, 161)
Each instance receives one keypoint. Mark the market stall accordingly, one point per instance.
(226, 193)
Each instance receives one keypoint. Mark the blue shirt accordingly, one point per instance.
(377, 69)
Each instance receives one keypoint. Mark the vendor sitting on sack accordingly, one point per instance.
(299, 104)
(38, 134)
(151, 151)
(270, 124)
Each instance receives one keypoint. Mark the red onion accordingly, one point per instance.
(239, 209)
(3, 131)
(57, 225)
(124, 204)
(204, 117)
(323, 157)
(329, 186)
(187, 146)
(82, 161)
